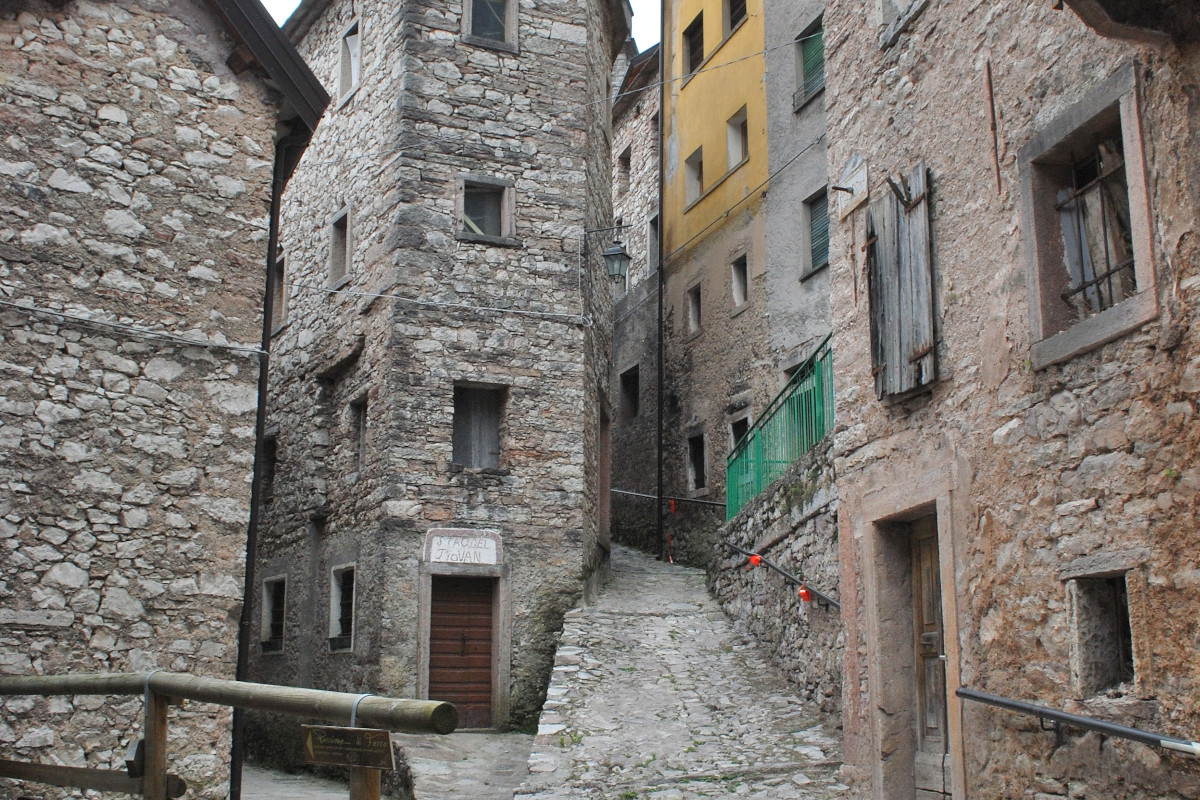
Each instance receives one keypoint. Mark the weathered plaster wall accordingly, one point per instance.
(423, 310)
(794, 524)
(1031, 471)
(136, 171)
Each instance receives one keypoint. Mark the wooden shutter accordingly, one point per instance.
(900, 274)
(818, 226)
(813, 50)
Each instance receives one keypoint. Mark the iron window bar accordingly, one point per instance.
(1061, 718)
(787, 576)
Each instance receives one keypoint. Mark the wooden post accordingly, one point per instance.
(364, 783)
(154, 780)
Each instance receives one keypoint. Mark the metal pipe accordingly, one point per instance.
(1085, 723)
(669, 497)
(786, 575)
(409, 716)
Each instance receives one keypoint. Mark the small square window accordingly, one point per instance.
(696, 463)
(478, 413)
(693, 44)
(341, 608)
(273, 606)
(739, 275)
(340, 247)
(737, 139)
(817, 210)
(693, 309)
(693, 176)
(350, 62)
(279, 294)
(810, 65)
(486, 210)
(735, 13)
(1102, 639)
(490, 22)
(630, 392)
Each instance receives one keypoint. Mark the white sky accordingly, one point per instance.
(645, 18)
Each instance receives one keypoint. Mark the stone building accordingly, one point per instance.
(1014, 279)
(138, 155)
(439, 416)
(634, 377)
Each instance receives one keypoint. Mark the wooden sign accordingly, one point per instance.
(348, 747)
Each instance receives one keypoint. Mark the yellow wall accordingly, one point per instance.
(695, 113)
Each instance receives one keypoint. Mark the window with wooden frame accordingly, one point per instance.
(341, 608)
(900, 278)
(490, 23)
(349, 62)
(340, 247)
(1086, 205)
(817, 211)
(478, 415)
(274, 595)
(486, 207)
(693, 45)
(810, 65)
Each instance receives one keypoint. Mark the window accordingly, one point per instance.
(477, 416)
(270, 455)
(273, 606)
(693, 44)
(735, 13)
(341, 608)
(652, 244)
(817, 210)
(349, 66)
(358, 422)
(738, 429)
(900, 280)
(489, 22)
(693, 176)
(1102, 640)
(740, 279)
(624, 167)
(737, 139)
(279, 294)
(340, 247)
(697, 477)
(486, 210)
(630, 392)
(1087, 212)
(810, 65)
(693, 309)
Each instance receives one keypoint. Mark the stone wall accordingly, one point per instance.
(1036, 476)
(136, 171)
(424, 308)
(794, 524)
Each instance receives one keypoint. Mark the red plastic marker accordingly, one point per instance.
(805, 593)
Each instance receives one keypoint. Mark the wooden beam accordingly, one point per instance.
(154, 774)
(364, 783)
(100, 780)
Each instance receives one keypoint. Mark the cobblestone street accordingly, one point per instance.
(655, 696)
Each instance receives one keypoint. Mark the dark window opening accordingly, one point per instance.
(693, 44)
(358, 418)
(738, 429)
(483, 208)
(630, 392)
(274, 597)
(697, 475)
(343, 609)
(477, 416)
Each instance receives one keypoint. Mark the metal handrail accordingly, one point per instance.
(1082, 722)
(789, 577)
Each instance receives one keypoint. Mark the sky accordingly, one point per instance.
(645, 18)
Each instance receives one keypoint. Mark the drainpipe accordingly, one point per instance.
(287, 152)
(662, 281)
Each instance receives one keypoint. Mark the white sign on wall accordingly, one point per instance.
(462, 546)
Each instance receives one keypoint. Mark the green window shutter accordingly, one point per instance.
(818, 226)
(813, 52)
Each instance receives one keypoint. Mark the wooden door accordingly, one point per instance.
(932, 768)
(460, 646)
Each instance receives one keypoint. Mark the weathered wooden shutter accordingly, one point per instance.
(900, 274)
(818, 218)
(813, 51)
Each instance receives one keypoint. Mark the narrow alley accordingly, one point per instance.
(655, 696)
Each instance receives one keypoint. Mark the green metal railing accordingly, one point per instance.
(791, 425)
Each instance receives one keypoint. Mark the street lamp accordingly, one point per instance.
(617, 261)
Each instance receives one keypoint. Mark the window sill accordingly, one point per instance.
(801, 104)
(484, 238)
(718, 182)
(808, 273)
(340, 644)
(278, 329)
(712, 55)
(490, 44)
(1088, 334)
(690, 335)
(344, 99)
(701, 492)
(339, 283)
(738, 309)
(271, 647)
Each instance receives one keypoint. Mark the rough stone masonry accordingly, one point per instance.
(134, 177)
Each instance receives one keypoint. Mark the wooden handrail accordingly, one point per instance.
(408, 716)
